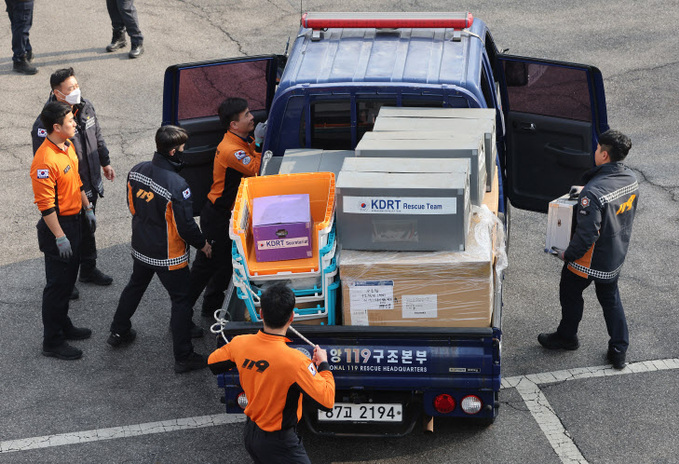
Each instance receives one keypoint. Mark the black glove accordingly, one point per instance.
(64, 246)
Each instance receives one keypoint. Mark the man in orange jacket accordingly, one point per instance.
(238, 155)
(61, 199)
(274, 378)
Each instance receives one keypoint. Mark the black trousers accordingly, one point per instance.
(213, 273)
(123, 16)
(176, 283)
(88, 245)
(60, 275)
(282, 446)
(21, 19)
(572, 306)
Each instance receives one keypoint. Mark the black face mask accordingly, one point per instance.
(177, 160)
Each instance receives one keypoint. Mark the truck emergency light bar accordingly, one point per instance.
(387, 20)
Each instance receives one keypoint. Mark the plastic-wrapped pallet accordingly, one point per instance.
(434, 289)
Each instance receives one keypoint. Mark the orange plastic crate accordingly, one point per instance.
(321, 189)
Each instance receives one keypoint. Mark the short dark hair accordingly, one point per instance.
(170, 137)
(230, 109)
(278, 302)
(616, 144)
(59, 76)
(54, 113)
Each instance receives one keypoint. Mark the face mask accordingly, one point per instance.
(72, 98)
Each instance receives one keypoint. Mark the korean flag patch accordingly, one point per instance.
(186, 193)
(42, 132)
(312, 369)
(43, 173)
(240, 154)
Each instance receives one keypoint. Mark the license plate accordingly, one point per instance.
(367, 412)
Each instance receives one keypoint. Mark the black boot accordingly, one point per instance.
(136, 50)
(117, 42)
(90, 274)
(24, 67)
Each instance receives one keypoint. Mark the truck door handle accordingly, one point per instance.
(525, 126)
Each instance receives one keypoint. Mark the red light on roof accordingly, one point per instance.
(387, 20)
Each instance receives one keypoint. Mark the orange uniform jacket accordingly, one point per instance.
(55, 179)
(235, 158)
(274, 376)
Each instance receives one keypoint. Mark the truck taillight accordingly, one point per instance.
(242, 400)
(444, 403)
(471, 404)
(387, 20)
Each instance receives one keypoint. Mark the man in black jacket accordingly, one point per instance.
(605, 213)
(162, 230)
(93, 157)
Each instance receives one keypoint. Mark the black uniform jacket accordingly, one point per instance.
(162, 215)
(88, 143)
(605, 215)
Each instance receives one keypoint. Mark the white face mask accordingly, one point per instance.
(72, 98)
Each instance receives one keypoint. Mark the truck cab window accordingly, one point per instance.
(331, 127)
(548, 90)
(202, 89)
(367, 112)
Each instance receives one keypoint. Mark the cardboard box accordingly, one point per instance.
(424, 208)
(438, 289)
(560, 222)
(281, 227)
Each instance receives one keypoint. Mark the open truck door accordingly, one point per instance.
(554, 113)
(192, 94)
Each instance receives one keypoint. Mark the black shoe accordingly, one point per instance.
(192, 362)
(96, 277)
(117, 340)
(553, 341)
(75, 293)
(616, 357)
(136, 51)
(117, 42)
(77, 333)
(197, 332)
(63, 351)
(29, 56)
(24, 67)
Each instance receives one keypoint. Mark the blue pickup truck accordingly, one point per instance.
(342, 68)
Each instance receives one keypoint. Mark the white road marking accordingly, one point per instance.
(125, 431)
(528, 387)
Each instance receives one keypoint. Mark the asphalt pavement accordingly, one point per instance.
(129, 406)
